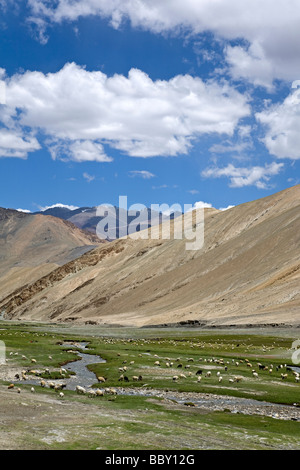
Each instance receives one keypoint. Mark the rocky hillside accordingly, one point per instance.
(247, 272)
(32, 245)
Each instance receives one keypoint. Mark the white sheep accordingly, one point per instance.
(80, 390)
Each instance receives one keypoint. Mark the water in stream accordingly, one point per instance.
(86, 379)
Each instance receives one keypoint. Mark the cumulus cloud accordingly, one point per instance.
(270, 28)
(282, 121)
(258, 176)
(251, 64)
(78, 151)
(200, 205)
(14, 144)
(80, 111)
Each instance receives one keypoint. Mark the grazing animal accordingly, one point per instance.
(11, 386)
(59, 386)
(101, 379)
(238, 378)
(80, 390)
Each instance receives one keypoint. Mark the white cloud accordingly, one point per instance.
(270, 27)
(88, 177)
(80, 111)
(251, 64)
(282, 137)
(142, 174)
(63, 206)
(78, 151)
(14, 144)
(200, 205)
(242, 176)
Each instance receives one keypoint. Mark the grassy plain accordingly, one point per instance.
(143, 422)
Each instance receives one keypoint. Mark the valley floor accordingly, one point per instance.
(261, 413)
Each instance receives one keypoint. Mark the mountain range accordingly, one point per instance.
(32, 245)
(246, 273)
(87, 218)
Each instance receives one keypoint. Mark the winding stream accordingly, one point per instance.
(86, 379)
(83, 376)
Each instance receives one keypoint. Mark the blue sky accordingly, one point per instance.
(165, 102)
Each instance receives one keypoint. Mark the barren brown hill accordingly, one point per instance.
(33, 245)
(247, 272)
